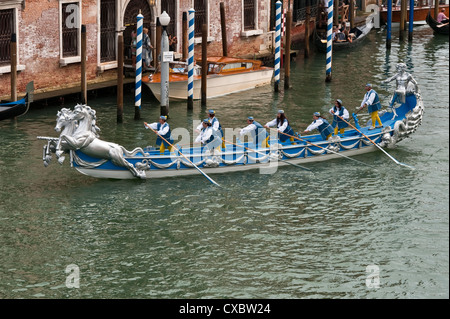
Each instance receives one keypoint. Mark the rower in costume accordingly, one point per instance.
(372, 101)
(282, 124)
(257, 131)
(339, 124)
(162, 128)
(322, 125)
(206, 136)
(215, 125)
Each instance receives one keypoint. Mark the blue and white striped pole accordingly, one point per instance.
(329, 40)
(277, 43)
(137, 95)
(191, 20)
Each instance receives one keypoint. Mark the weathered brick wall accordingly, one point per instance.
(39, 47)
(238, 45)
(39, 36)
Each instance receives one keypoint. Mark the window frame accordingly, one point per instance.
(64, 61)
(198, 40)
(103, 66)
(257, 30)
(16, 6)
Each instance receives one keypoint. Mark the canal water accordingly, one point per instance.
(344, 230)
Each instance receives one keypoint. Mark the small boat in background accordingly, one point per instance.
(421, 10)
(441, 28)
(358, 33)
(17, 108)
(226, 75)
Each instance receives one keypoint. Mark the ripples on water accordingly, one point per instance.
(294, 234)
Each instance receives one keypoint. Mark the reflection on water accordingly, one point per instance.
(294, 234)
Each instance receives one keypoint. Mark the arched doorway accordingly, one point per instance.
(130, 20)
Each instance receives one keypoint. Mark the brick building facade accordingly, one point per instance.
(49, 36)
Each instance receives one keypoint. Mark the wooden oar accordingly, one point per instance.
(252, 150)
(203, 173)
(392, 158)
(441, 25)
(328, 150)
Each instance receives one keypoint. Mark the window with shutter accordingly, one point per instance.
(108, 31)
(6, 31)
(200, 7)
(249, 15)
(70, 29)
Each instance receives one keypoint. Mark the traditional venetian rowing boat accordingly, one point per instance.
(17, 108)
(436, 26)
(225, 75)
(97, 158)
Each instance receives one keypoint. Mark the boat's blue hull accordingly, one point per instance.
(246, 156)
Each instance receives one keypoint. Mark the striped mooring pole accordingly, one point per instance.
(329, 40)
(137, 95)
(277, 43)
(190, 92)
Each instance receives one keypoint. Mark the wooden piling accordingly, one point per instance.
(223, 25)
(287, 51)
(13, 67)
(403, 10)
(83, 65)
(204, 63)
(307, 23)
(120, 79)
(436, 9)
(185, 37)
(336, 12)
(352, 14)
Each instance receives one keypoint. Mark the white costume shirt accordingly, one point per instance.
(314, 125)
(368, 98)
(215, 126)
(345, 116)
(247, 129)
(281, 127)
(163, 130)
(205, 134)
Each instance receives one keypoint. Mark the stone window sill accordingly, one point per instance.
(70, 60)
(199, 40)
(251, 33)
(107, 66)
(7, 68)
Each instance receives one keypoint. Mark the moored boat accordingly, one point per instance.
(441, 28)
(358, 33)
(225, 75)
(421, 10)
(17, 108)
(97, 158)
